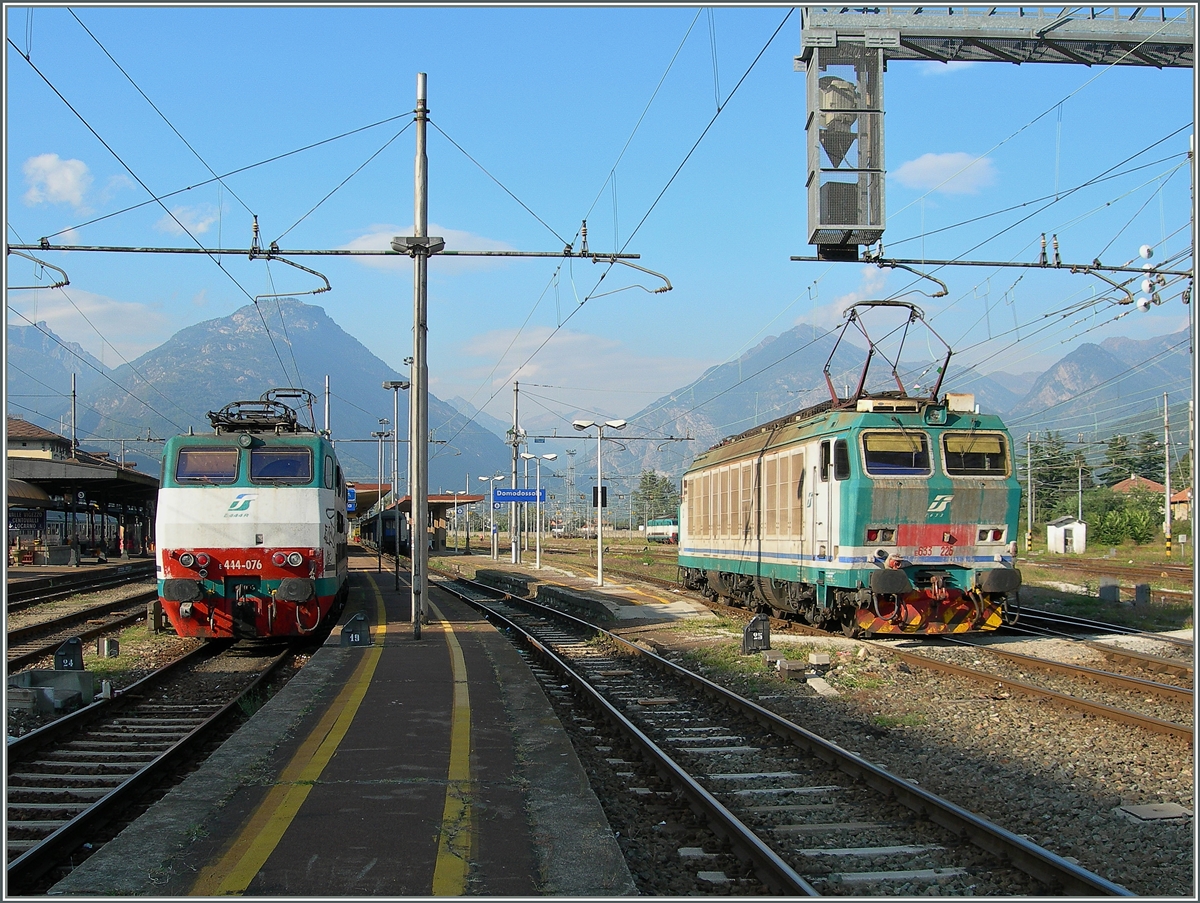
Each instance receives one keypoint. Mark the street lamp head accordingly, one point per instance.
(550, 457)
(583, 424)
(527, 456)
(615, 424)
(396, 384)
(383, 421)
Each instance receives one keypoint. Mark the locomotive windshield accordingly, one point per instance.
(896, 453)
(975, 454)
(206, 465)
(281, 465)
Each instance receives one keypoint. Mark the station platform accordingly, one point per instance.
(32, 574)
(409, 767)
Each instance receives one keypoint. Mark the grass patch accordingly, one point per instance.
(1158, 615)
(909, 719)
(137, 646)
(725, 660)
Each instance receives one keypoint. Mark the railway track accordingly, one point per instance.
(802, 814)
(33, 642)
(68, 781)
(24, 593)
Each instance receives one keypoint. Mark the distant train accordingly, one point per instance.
(251, 525)
(882, 514)
(663, 529)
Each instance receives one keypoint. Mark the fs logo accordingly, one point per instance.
(240, 505)
(939, 504)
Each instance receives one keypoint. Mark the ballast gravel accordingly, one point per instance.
(1053, 775)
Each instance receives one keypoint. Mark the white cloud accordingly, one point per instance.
(953, 173)
(380, 235)
(574, 373)
(131, 328)
(55, 181)
(195, 219)
(931, 67)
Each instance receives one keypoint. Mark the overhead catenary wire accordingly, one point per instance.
(92, 366)
(146, 188)
(105, 341)
(654, 204)
(162, 115)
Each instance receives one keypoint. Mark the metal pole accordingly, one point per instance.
(467, 524)
(326, 404)
(1167, 473)
(599, 510)
(1029, 491)
(492, 519)
(379, 508)
(396, 475)
(512, 506)
(419, 428)
(538, 508)
(74, 438)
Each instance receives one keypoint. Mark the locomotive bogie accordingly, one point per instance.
(874, 521)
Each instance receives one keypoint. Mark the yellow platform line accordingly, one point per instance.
(233, 872)
(456, 840)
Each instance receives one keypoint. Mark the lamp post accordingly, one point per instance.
(467, 520)
(380, 434)
(492, 511)
(538, 459)
(456, 495)
(612, 425)
(396, 385)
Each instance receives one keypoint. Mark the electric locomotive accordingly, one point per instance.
(879, 513)
(251, 525)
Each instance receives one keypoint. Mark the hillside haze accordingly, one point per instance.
(206, 366)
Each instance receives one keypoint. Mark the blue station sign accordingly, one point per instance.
(519, 495)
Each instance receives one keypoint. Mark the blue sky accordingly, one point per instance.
(546, 101)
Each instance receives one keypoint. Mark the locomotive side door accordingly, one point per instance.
(822, 501)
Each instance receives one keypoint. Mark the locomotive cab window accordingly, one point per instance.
(206, 465)
(975, 454)
(281, 465)
(841, 460)
(896, 453)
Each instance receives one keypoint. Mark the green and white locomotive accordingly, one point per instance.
(880, 513)
(251, 525)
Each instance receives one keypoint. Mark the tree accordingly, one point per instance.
(1117, 460)
(1148, 458)
(656, 496)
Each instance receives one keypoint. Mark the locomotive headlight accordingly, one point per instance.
(187, 559)
(278, 559)
(872, 534)
(202, 560)
(295, 559)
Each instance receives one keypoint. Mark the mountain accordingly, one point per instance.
(38, 367)
(782, 374)
(485, 420)
(1095, 387)
(206, 366)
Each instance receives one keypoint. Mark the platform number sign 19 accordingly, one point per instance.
(356, 632)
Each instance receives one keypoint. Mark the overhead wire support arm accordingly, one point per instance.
(276, 254)
(62, 283)
(1092, 268)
